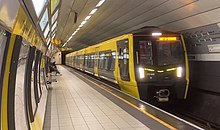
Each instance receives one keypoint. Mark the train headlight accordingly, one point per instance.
(179, 72)
(141, 72)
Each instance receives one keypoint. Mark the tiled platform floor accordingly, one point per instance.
(74, 105)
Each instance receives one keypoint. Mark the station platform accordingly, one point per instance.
(77, 103)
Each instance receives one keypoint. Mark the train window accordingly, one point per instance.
(169, 52)
(112, 61)
(91, 61)
(101, 60)
(82, 61)
(105, 61)
(145, 52)
(86, 60)
(74, 60)
(69, 60)
(78, 61)
(123, 59)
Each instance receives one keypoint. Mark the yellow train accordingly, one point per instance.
(149, 64)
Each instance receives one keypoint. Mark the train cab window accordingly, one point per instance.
(145, 52)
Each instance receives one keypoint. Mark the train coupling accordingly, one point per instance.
(162, 95)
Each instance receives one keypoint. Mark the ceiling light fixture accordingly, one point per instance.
(85, 20)
(156, 34)
(100, 3)
(64, 44)
(88, 17)
(53, 35)
(80, 25)
(93, 11)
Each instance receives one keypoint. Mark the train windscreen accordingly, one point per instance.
(161, 51)
(146, 52)
(169, 52)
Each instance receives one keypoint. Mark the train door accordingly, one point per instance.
(96, 61)
(125, 67)
(123, 59)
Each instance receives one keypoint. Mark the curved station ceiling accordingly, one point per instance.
(116, 17)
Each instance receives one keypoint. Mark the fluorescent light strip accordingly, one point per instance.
(54, 36)
(86, 19)
(83, 22)
(93, 11)
(156, 34)
(100, 3)
(80, 25)
(64, 44)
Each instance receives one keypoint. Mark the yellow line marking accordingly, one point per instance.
(146, 113)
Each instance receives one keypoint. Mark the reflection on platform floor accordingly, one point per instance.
(73, 104)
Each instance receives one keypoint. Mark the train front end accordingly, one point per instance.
(161, 67)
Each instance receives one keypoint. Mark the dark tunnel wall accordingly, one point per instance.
(203, 47)
(64, 56)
